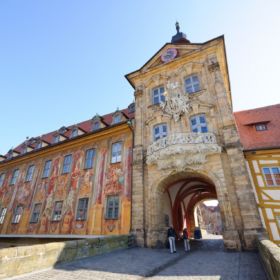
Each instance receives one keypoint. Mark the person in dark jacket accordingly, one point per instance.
(186, 240)
(171, 235)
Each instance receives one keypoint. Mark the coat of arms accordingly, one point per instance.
(176, 103)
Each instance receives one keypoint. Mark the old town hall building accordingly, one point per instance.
(140, 169)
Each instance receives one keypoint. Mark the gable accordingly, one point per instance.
(161, 57)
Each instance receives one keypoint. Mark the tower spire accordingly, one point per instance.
(179, 37)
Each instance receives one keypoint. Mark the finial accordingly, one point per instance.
(177, 26)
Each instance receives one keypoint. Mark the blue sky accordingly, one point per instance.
(63, 61)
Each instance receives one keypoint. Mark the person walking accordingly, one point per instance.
(171, 235)
(186, 240)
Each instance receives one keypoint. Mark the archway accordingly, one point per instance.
(173, 202)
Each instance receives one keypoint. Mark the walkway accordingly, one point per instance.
(207, 260)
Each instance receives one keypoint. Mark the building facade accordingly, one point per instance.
(140, 171)
(259, 131)
(186, 145)
(76, 180)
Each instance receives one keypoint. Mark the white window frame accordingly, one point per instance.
(17, 214)
(82, 209)
(35, 214)
(161, 133)
(56, 139)
(47, 169)
(67, 164)
(199, 126)
(193, 86)
(116, 152)
(272, 175)
(2, 179)
(2, 215)
(89, 158)
(112, 210)
(158, 95)
(29, 173)
(14, 177)
(57, 212)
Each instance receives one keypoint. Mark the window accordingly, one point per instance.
(192, 84)
(261, 126)
(198, 123)
(89, 158)
(67, 164)
(82, 209)
(47, 169)
(29, 173)
(14, 177)
(116, 152)
(36, 213)
(96, 125)
(2, 215)
(56, 139)
(158, 95)
(160, 131)
(74, 132)
(112, 209)
(2, 178)
(17, 214)
(39, 145)
(57, 211)
(272, 176)
(117, 118)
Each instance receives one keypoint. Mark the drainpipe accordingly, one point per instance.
(130, 126)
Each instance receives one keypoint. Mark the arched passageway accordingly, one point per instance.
(183, 196)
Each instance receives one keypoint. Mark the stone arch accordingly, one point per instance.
(154, 217)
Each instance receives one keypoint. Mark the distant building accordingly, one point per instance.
(259, 131)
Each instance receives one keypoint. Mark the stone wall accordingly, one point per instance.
(270, 255)
(24, 259)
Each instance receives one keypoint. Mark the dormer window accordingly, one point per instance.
(117, 118)
(74, 132)
(39, 145)
(96, 125)
(261, 126)
(56, 138)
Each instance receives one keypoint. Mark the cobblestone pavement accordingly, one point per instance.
(207, 260)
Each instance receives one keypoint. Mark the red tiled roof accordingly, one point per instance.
(251, 138)
(85, 126)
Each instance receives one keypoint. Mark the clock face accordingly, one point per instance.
(169, 55)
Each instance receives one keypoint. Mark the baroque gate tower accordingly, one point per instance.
(186, 145)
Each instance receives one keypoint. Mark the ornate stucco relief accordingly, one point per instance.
(180, 150)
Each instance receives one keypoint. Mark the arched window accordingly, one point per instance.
(160, 131)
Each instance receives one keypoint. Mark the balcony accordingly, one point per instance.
(180, 150)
